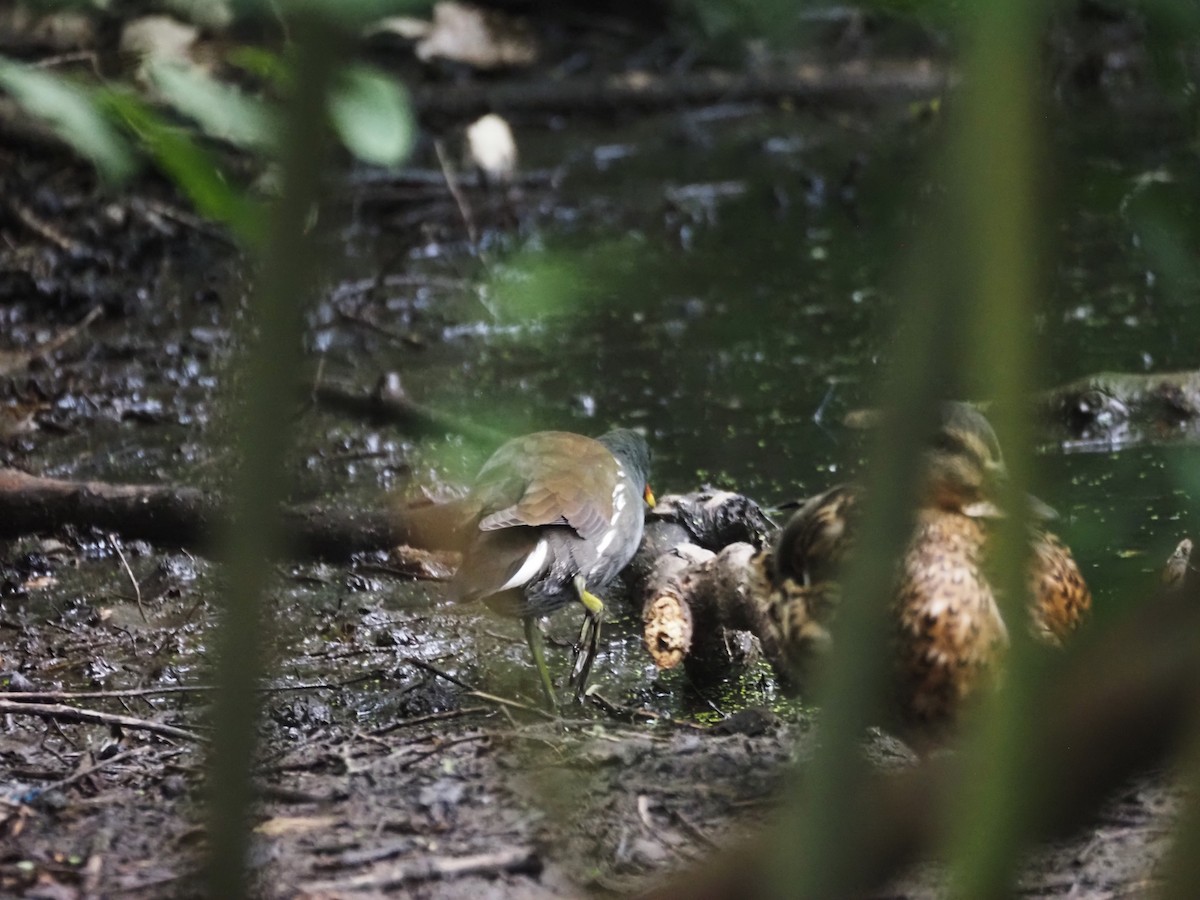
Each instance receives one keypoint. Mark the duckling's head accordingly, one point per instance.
(963, 463)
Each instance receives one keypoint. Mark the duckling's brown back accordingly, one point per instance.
(949, 630)
(1059, 599)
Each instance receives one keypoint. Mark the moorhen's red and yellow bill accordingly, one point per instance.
(557, 515)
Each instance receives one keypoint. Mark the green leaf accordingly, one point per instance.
(191, 167)
(263, 64)
(222, 111)
(371, 114)
(72, 113)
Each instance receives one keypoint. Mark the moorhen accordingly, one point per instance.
(555, 516)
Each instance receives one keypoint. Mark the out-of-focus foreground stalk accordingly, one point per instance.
(286, 277)
(994, 177)
(966, 321)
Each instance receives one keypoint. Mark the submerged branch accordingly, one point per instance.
(855, 84)
(390, 402)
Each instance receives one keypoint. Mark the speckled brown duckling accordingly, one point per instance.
(1059, 597)
(948, 628)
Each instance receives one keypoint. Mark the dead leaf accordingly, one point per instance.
(153, 39)
(427, 565)
(482, 39)
(58, 32)
(407, 27)
(492, 148)
(281, 825)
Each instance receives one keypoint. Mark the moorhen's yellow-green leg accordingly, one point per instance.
(589, 636)
(537, 646)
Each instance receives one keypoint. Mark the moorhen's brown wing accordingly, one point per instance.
(548, 478)
(530, 485)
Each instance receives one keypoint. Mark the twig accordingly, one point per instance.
(633, 714)
(48, 232)
(460, 201)
(390, 401)
(511, 860)
(348, 289)
(434, 670)
(153, 884)
(371, 181)
(147, 206)
(441, 745)
(690, 828)
(69, 334)
(401, 337)
(513, 704)
(284, 794)
(432, 717)
(12, 361)
(352, 859)
(62, 713)
(63, 59)
(137, 588)
(39, 696)
(83, 773)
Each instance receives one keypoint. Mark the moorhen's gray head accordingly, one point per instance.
(632, 451)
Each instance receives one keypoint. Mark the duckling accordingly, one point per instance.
(948, 630)
(1060, 601)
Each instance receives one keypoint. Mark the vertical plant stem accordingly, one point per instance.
(971, 287)
(995, 179)
(811, 858)
(242, 640)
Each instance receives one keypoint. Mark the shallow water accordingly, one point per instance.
(737, 295)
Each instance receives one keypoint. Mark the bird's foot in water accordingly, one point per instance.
(589, 639)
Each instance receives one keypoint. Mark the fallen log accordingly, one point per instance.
(1124, 408)
(31, 504)
(188, 517)
(849, 85)
(693, 575)
(693, 598)
(1107, 409)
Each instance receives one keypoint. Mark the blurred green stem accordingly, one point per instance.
(971, 286)
(810, 859)
(995, 177)
(287, 275)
